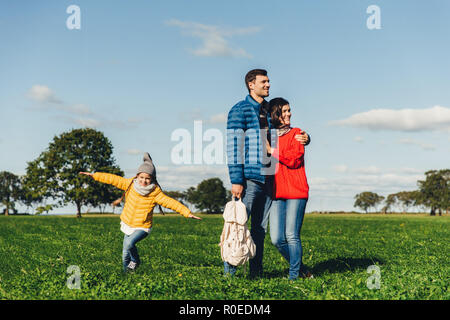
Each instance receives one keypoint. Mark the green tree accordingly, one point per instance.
(33, 191)
(366, 200)
(56, 170)
(177, 195)
(390, 201)
(210, 195)
(435, 191)
(408, 199)
(10, 190)
(104, 194)
(42, 209)
(404, 200)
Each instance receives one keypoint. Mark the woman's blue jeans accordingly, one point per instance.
(286, 219)
(129, 252)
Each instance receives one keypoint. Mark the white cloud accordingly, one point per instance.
(368, 170)
(374, 170)
(86, 122)
(138, 120)
(100, 122)
(358, 139)
(48, 100)
(190, 114)
(424, 146)
(409, 171)
(41, 93)
(349, 185)
(134, 152)
(214, 39)
(183, 177)
(80, 109)
(76, 113)
(218, 118)
(340, 168)
(435, 118)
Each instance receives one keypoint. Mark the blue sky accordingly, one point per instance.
(375, 102)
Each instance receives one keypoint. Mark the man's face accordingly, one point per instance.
(260, 86)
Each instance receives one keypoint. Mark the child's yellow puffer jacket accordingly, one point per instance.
(138, 210)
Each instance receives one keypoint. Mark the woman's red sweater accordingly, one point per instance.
(290, 177)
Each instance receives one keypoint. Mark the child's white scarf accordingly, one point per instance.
(143, 191)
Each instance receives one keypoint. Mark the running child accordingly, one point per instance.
(141, 194)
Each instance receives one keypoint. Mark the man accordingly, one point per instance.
(248, 128)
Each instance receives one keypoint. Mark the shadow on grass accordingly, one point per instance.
(344, 264)
(336, 265)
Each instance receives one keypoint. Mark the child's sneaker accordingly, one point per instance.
(306, 274)
(132, 266)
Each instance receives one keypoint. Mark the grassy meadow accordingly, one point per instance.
(181, 259)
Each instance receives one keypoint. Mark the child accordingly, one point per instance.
(141, 194)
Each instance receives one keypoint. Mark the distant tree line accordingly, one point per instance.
(52, 179)
(210, 196)
(433, 194)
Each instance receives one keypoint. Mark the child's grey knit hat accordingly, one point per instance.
(147, 166)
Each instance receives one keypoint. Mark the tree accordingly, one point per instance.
(435, 191)
(42, 209)
(404, 200)
(104, 194)
(33, 191)
(408, 199)
(56, 170)
(390, 201)
(210, 195)
(366, 200)
(177, 195)
(10, 190)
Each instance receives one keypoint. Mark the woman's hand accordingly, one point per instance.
(194, 217)
(269, 148)
(87, 174)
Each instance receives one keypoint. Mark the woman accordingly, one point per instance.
(142, 194)
(291, 189)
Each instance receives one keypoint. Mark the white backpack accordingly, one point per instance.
(236, 243)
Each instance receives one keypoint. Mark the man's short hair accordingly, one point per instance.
(251, 76)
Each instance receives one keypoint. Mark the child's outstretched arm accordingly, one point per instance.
(194, 217)
(108, 178)
(174, 205)
(87, 174)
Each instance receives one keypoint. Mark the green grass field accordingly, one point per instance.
(181, 259)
